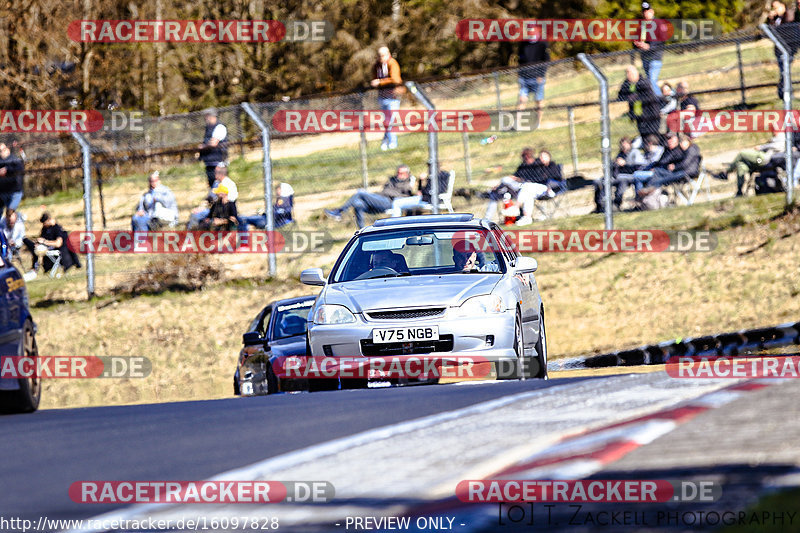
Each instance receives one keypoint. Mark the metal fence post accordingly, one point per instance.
(363, 150)
(605, 128)
(433, 146)
(86, 152)
(573, 142)
(787, 105)
(497, 90)
(742, 86)
(267, 183)
(467, 162)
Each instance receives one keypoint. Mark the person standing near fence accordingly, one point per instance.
(12, 176)
(214, 148)
(651, 51)
(533, 58)
(643, 105)
(780, 19)
(389, 83)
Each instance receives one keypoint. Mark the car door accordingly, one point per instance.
(525, 286)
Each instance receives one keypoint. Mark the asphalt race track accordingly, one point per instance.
(402, 451)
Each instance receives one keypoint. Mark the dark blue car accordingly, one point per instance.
(279, 330)
(17, 337)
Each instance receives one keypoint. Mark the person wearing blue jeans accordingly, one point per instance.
(157, 207)
(363, 201)
(281, 211)
(651, 51)
(389, 84)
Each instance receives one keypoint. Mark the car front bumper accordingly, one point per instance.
(487, 336)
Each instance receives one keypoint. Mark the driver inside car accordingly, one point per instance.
(389, 259)
(471, 261)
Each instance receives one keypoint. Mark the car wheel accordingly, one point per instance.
(236, 390)
(272, 380)
(511, 369)
(541, 349)
(26, 398)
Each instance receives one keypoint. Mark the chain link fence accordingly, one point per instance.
(738, 71)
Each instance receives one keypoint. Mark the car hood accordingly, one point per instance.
(413, 291)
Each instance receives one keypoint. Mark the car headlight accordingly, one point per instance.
(481, 305)
(333, 314)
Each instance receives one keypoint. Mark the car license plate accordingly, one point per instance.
(408, 334)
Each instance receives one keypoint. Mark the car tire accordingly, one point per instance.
(541, 349)
(272, 380)
(236, 390)
(514, 371)
(26, 398)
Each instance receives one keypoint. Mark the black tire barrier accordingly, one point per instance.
(724, 344)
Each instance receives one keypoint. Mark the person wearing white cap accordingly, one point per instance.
(281, 211)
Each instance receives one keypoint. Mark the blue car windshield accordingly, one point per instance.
(420, 252)
(290, 319)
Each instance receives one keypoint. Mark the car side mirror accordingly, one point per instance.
(526, 265)
(252, 338)
(312, 276)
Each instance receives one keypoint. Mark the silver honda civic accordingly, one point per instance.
(439, 285)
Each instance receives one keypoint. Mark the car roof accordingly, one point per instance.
(466, 220)
(289, 301)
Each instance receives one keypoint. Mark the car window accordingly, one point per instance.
(419, 252)
(290, 319)
(263, 321)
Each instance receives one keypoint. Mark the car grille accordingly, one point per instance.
(444, 344)
(405, 314)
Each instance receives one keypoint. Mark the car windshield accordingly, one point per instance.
(419, 252)
(290, 319)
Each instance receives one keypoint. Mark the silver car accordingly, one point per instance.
(439, 285)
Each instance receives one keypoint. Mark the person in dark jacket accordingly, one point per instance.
(628, 161)
(533, 58)
(643, 105)
(784, 23)
(363, 201)
(651, 51)
(547, 177)
(214, 148)
(670, 160)
(223, 215)
(12, 172)
(53, 237)
(686, 168)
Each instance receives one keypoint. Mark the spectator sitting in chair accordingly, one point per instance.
(220, 178)
(222, 216)
(528, 170)
(53, 237)
(547, 177)
(423, 196)
(752, 160)
(363, 201)
(687, 168)
(156, 208)
(628, 161)
(281, 210)
(670, 158)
